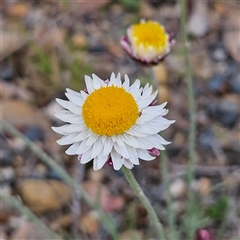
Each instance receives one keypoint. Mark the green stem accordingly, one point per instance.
(105, 218)
(153, 78)
(139, 192)
(165, 176)
(164, 173)
(26, 211)
(192, 124)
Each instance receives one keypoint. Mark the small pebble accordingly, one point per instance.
(79, 40)
(178, 207)
(218, 51)
(35, 134)
(7, 157)
(97, 49)
(198, 24)
(6, 189)
(204, 185)
(234, 82)
(34, 17)
(52, 174)
(226, 111)
(206, 139)
(178, 188)
(7, 174)
(90, 223)
(218, 83)
(6, 74)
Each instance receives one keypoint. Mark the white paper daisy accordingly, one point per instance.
(112, 122)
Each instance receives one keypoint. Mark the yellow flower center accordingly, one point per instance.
(148, 34)
(109, 111)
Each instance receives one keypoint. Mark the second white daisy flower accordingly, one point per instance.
(112, 122)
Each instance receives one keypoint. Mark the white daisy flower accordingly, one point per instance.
(112, 122)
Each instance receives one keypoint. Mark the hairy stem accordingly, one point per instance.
(139, 192)
(192, 117)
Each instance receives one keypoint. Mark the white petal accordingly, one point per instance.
(156, 141)
(120, 141)
(154, 126)
(114, 138)
(72, 150)
(68, 128)
(65, 104)
(72, 107)
(147, 143)
(78, 100)
(147, 128)
(76, 110)
(134, 86)
(65, 140)
(133, 132)
(83, 147)
(155, 110)
(97, 82)
(160, 140)
(146, 87)
(151, 112)
(104, 137)
(144, 155)
(144, 118)
(133, 155)
(95, 163)
(112, 79)
(118, 80)
(86, 157)
(144, 102)
(70, 118)
(128, 164)
(130, 140)
(72, 92)
(89, 84)
(117, 160)
(91, 139)
(107, 146)
(84, 95)
(158, 124)
(101, 161)
(83, 135)
(147, 91)
(126, 82)
(123, 151)
(97, 147)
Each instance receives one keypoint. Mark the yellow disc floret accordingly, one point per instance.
(150, 34)
(109, 111)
